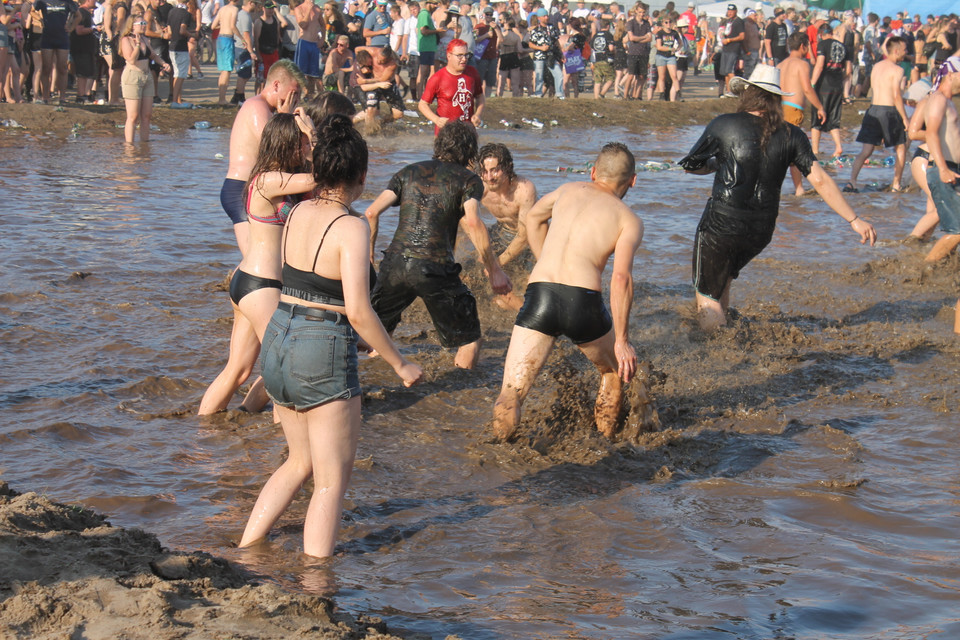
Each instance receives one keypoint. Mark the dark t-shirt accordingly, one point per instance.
(55, 15)
(751, 40)
(834, 54)
(638, 28)
(601, 46)
(431, 196)
(777, 35)
(87, 44)
(732, 29)
(746, 186)
(177, 17)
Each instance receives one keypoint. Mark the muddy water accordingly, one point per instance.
(803, 483)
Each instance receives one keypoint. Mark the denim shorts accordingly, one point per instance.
(663, 61)
(947, 199)
(309, 357)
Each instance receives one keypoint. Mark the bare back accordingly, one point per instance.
(586, 224)
(228, 19)
(885, 80)
(792, 73)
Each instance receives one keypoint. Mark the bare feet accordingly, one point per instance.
(506, 416)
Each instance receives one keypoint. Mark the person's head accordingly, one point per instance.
(329, 102)
(135, 24)
(779, 15)
(872, 18)
(798, 41)
(414, 8)
(542, 17)
(269, 8)
(896, 48)
(364, 62)
(283, 81)
(766, 104)
(825, 31)
(615, 167)
(750, 14)
(250, 6)
(281, 148)
(731, 11)
(495, 165)
(457, 56)
(395, 12)
(948, 76)
(791, 14)
(640, 11)
(456, 143)
(340, 156)
(382, 6)
(343, 44)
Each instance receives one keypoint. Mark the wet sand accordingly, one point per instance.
(794, 475)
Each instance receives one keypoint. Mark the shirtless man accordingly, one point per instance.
(226, 21)
(307, 56)
(795, 79)
(589, 222)
(281, 92)
(508, 197)
(339, 64)
(943, 141)
(885, 122)
(382, 86)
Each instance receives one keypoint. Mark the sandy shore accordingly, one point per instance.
(68, 574)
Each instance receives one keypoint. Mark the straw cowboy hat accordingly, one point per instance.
(763, 77)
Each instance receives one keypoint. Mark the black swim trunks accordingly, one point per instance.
(452, 307)
(719, 258)
(882, 125)
(231, 199)
(243, 283)
(564, 310)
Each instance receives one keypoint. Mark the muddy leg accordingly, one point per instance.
(526, 355)
(943, 248)
(610, 395)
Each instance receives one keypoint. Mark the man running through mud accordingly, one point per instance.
(588, 221)
(750, 151)
(508, 197)
(436, 197)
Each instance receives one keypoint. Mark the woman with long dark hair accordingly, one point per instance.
(309, 355)
(750, 151)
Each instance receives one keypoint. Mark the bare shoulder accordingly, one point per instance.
(524, 187)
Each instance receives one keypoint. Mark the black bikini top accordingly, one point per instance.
(311, 286)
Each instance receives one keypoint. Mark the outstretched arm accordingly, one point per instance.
(477, 232)
(527, 195)
(830, 193)
(383, 202)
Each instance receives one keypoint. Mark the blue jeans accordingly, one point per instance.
(555, 71)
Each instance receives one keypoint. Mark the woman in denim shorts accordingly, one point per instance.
(309, 353)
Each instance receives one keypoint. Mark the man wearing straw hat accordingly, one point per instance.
(749, 151)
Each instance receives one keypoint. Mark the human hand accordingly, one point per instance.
(304, 122)
(409, 372)
(626, 360)
(865, 229)
(287, 103)
(822, 115)
(476, 120)
(499, 281)
(441, 122)
(948, 177)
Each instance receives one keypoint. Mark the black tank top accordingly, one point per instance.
(311, 286)
(269, 37)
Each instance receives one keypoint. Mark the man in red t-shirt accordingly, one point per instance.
(457, 89)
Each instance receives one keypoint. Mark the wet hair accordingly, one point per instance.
(768, 105)
(501, 154)
(456, 143)
(329, 102)
(615, 162)
(363, 58)
(286, 68)
(340, 155)
(279, 150)
(796, 40)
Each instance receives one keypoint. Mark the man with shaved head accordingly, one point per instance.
(588, 221)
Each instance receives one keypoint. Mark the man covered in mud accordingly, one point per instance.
(588, 221)
(436, 197)
(750, 151)
(943, 174)
(508, 197)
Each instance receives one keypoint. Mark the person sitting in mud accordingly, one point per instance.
(377, 78)
(750, 151)
(588, 221)
(885, 122)
(508, 197)
(435, 197)
(943, 176)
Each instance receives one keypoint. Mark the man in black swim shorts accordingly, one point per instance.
(435, 197)
(750, 152)
(587, 222)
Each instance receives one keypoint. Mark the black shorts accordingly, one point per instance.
(719, 258)
(882, 125)
(449, 302)
(832, 101)
(509, 61)
(637, 65)
(682, 64)
(563, 310)
(391, 96)
(85, 65)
